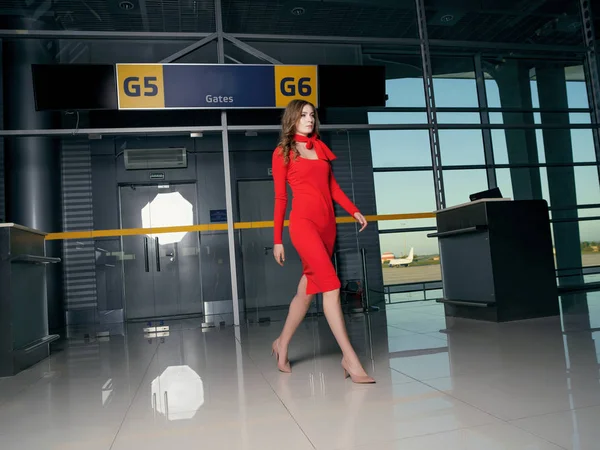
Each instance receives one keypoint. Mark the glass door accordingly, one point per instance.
(171, 266)
(138, 267)
(187, 253)
(268, 287)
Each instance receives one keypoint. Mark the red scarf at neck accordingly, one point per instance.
(312, 141)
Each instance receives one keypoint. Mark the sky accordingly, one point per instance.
(406, 192)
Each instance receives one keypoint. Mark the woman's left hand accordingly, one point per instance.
(361, 219)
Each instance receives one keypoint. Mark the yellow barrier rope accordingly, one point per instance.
(214, 227)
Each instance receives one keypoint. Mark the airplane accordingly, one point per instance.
(403, 262)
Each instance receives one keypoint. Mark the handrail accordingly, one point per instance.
(34, 259)
(468, 230)
(38, 343)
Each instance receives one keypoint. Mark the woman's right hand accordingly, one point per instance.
(279, 254)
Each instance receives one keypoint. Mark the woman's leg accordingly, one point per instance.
(333, 312)
(298, 308)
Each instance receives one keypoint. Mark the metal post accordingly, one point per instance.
(591, 68)
(434, 138)
(367, 307)
(484, 116)
(227, 169)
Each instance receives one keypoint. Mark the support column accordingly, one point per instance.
(484, 116)
(552, 87)
(227, 169)
(515, 92)
(2, 176)
(32, 164)
(434, 138)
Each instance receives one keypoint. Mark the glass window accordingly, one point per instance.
(545, 187)
(492, 92)
(405, 92)
(454, 82)
(519, 139)
(461, 147)
(573, 117)
(456, 92)
(535, 98)
(499, 146)
(387, 118)
(405, 192)
(505, 183)
(580, 118)
(587, 185)
(582, 141)
(459, 184)
(453, 117)
(508, 72)
(583, 145)
(399, 148)
(588, 212)
(577, 94)
(506, 99)
(417, 257)
(413, 293)
(589, 234)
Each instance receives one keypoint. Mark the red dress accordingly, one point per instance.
(312, 223)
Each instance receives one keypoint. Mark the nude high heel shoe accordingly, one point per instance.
(358, 379)
(275, 351)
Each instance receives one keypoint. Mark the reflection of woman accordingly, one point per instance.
(303, 161)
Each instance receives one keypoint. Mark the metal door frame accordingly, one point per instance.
(157, 183)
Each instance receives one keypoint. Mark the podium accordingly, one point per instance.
(24, 338)
(497, 260)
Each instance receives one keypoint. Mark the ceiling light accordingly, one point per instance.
(298, 11)
(447, 18)
(126, 5)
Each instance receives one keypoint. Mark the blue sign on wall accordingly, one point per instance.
(218, 216)
(220, 86)
(211, 86)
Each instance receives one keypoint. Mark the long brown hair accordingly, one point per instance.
(291, 116)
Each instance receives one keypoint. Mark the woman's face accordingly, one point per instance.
(306, 123)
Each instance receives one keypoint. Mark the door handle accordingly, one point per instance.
(146, 262)
(267, 250)
(157, 250)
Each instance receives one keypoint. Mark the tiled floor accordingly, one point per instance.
(441, 384)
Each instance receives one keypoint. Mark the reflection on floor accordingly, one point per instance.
(451, 385)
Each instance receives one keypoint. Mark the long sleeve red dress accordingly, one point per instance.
(312, 224)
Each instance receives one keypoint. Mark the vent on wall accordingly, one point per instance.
(155, 158)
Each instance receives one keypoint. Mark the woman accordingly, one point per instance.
(304, 161)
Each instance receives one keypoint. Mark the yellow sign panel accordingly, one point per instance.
(295, 82)
(141, 86)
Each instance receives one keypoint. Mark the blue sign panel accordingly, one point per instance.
(218, 216)
(218, 86)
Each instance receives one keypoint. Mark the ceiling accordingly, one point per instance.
(552, 22)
